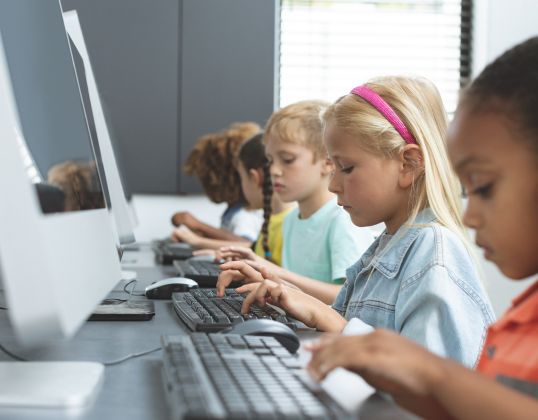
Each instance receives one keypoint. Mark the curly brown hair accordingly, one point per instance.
(80, 183)
(213, 161)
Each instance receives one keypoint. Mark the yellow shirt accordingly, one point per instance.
(275, 237)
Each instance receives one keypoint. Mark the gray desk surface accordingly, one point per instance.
(133, 390)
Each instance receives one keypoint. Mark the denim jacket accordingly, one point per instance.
(423, 285)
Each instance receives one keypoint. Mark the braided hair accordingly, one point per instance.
(252, 156)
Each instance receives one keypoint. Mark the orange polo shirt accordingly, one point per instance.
(510, 354)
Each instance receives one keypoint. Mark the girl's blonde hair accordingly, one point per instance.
(418, 104)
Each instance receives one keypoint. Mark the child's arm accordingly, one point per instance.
(325, 292)
(265, 288)
(184, 234)
(203, 229)
(297, 304)
(235, 253)
(420, 381)
(223, 235)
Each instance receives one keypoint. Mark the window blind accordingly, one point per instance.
(327, 47)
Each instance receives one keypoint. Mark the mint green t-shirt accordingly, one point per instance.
(324, 245)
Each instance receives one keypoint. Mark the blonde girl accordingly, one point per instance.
(493, 145)
(386, 139)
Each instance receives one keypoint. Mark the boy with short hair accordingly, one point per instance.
(319, 240)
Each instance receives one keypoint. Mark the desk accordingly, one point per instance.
(133, 390)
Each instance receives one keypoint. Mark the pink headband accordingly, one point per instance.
(384, 108)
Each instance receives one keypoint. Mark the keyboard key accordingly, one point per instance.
(254, 342)
(201, 310)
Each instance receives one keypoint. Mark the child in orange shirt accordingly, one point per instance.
(493, 145)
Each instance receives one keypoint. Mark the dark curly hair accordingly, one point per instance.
(213, 159)
(252, 156)
(509, 85)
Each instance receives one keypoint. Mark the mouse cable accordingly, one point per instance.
(110, 363)
(131, 356)
(131, 292)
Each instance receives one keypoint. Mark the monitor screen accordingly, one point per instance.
(54, 140)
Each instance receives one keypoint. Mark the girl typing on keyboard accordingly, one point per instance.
(387, 142)
(493, 145)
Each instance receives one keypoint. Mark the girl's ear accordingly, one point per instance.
(257, 176)
(411, 165)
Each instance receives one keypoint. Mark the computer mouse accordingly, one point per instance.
(267, 327)
(163, 289)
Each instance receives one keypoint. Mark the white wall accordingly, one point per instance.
(155, 211)
(500, 24)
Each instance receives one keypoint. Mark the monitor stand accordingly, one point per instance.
(49, 384)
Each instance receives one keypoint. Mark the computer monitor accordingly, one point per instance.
(99, 129)
(54, 267)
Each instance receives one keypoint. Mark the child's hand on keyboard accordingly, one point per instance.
(296, 303)
(387, 361)
(206, 253)
(236, 271)
(184, 234)
(236, 253)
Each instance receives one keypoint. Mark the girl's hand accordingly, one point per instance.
(297, 304)
(186, 219)
(204, 252)
(234, 253)
(184, 234)
(236, 271)
(386, 361)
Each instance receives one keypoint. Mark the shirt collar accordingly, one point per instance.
(524, 308)
(390, 260)
(319, 213)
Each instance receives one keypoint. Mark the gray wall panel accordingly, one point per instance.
(170, 71)
(228, 67)
(133, 47)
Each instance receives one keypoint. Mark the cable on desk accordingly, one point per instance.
(3, 308)
(12, 355)
(131, 356)
(111, 363)
(131, 292)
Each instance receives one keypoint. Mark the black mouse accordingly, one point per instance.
(163, 289)
(268, 327)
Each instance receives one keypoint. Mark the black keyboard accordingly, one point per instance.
(167, 252)
(219, 376)
(205, 273)
(202, 310)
